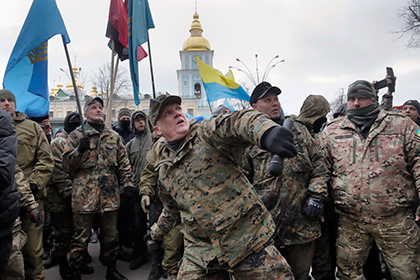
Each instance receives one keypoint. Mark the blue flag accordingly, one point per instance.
(139, 22)
(26, 73)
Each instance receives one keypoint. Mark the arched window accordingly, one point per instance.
(197, 90)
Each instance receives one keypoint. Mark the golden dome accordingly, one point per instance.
(79, 85)
(53, 91)
(196, 42)
(59, 86)
(94, 92)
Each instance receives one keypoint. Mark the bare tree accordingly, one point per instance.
(411, 16)
(102, 79)
(339, 100)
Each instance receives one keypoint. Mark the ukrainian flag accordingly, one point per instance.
(219, 86)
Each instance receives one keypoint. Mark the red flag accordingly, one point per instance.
(117, 30)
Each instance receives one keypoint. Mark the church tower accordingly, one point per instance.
(189, 80)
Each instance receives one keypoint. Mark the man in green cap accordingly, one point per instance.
(374, 169)
(227, 229)
(36, 161)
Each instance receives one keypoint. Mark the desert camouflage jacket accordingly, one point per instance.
(203, 185)
(376, 176)
(34, 154)
(60, 185)
(99, 172)
(285, 196)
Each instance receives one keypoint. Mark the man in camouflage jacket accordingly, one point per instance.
(35, 159)
(99, 165)
(226, 226)
(302, 180)
(58, 201)
(374, 171)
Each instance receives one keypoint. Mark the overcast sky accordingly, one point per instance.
(326, 44)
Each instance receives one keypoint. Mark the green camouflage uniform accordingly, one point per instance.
(314, 108)
(97, 176)
(35, 160)
(285, 196)
(58, 200)
(374, 183)
(201, 183)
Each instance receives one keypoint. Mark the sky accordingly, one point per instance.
(326, 44)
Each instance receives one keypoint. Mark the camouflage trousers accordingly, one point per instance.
(173, 244)
(323, 262)
(82, 229)
(15, 269)
(33, 250)
(397, 236)
(299, 257)
(265, 264)
(62, 228)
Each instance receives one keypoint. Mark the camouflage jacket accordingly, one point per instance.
(34, 154)
(27, 201)
(285, 196)
(98, 172)
(376, 176)
(60, 185)
(203, 185)
(149, 177)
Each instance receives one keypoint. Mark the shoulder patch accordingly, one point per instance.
(417, 134)
(111, 141)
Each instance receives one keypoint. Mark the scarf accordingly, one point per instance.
(363, 117)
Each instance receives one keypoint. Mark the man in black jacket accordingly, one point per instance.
(9, 196)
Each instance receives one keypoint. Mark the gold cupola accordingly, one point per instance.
(79, 85)
(196, 42)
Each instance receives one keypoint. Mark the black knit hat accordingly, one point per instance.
(414, 103)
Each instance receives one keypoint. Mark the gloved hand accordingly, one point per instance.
(127, 194)
(279, 140)
(145, 203)
(84, 144)
(36, 216)
(147, 237)
(315, 208)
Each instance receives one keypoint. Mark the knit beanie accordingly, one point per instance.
(124, 112)
(361, 88)
(4, 93)
(414, 103)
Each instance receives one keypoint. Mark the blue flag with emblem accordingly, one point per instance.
(26, 73)
(139, 22)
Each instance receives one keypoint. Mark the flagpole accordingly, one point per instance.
(111, 86)
(79, 108)
(151, 65)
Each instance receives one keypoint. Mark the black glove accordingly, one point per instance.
(147, 237)
(315, 208)
(36, 216)
(84, 144)
(279, 140)
(127, 194)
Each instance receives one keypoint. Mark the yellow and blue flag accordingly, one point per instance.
(139, 22)
(26, 73)
(219, 86)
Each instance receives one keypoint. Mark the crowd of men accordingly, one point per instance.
(343, 202)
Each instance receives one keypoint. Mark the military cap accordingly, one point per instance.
(156, 105)
(361, 88)
(90, 101)
(261, 90)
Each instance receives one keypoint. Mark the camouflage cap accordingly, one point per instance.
(156, 105)
(361, 88)
(91, 101)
